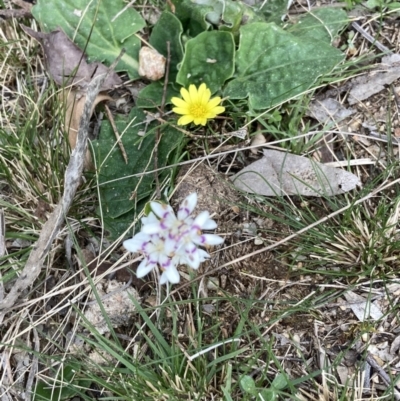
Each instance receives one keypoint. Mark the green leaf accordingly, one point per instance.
(227, 15)
(371, 4)
(151, 95)
(280, 382)
(116, 226)
(209, 58)
(248, 385)
(236, 14)
(53, 389)
(193, 17)
(320, 25)
(267, 395)
(120, 190)
(168, 29)
(274, 10)
(272, 65)
(97, 24)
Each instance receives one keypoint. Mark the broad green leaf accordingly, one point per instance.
(168, 29)
(280, 381)
(97, 26)
(268, 395)
(115, 227)
(320, 25)
(151, 95)
(209, 58)
(248, 385)
(193, 17)
(216, 8)
(198, 15)
(120, 190)
(273, 65)
(274, 10)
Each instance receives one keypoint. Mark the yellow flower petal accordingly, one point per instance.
(185, 95)
(204, 94)
(185, 120)
(176, 101)
(200, 121)
(193, 94)
(217, 110)
(213, 103)
(181, 110)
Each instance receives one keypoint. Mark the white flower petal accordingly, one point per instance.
(203, 255)
(209, 225)
(201, 219)
(136, 243)
(170, 246)
(187, 206)
(171, 274)
(193, 260)
(208, 239)
(150, 219)
(144, 268)
(161, 209)
(163, 279)
(153, 228)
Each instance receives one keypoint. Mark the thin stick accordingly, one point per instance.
(158, 131)
(370, 38)
(385, 377)
(34, 367)
(123, 10)
(164, 95)
(116, 133)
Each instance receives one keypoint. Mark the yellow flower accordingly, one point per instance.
(196, 105)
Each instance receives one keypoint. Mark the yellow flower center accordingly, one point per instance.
(198, 110)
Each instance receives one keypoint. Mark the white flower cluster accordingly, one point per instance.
(167, 240)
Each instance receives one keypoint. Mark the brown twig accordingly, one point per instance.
(23, 4)
(370, 38)
(73, 177)
(158, 131)
(384, 376)
(6, 14)
(116, 133)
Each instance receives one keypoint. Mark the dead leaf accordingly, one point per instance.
(367, 85)
(279, 173)
(328, 110)
(66, 63)
(75, 102)
(363, 308)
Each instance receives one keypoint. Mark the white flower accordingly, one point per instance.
(167, 240)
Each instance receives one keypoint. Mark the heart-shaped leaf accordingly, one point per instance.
(273, 65)
(209, 58)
